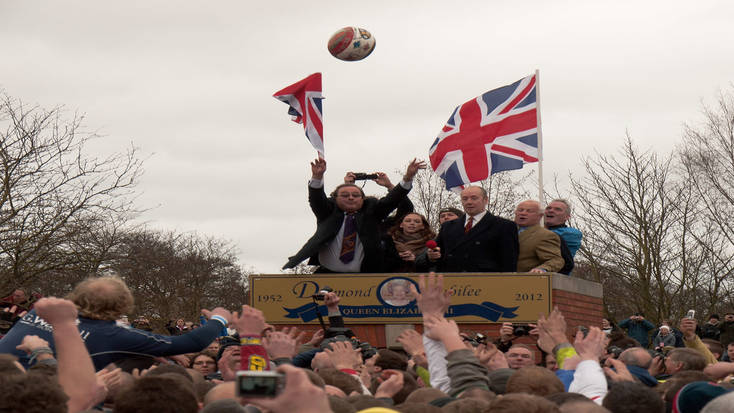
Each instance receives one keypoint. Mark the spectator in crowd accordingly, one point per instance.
(347, 234)
(664, 338)
(520, 355)
(557, 213)
(12, 308)
(710, 329)
(638, 328)
(481, 242)
(100, 302)
(405, 247)
(540, 249)
(204, 362)
(449, 214)
(726, 328)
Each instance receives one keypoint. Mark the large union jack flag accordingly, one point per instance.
(304, 98)
(497, 131)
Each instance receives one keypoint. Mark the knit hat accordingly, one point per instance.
(665, 327)
(693, 396)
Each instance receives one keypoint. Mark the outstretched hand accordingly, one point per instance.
(318, 167)
(413, 168)
(431, 299)
(250, 322)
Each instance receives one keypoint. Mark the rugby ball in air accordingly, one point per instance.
(351, 43)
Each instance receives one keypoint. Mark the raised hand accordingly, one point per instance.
(412, 342)
(318, 167)
(383, 180)
(431, 299)
(222, 312)
(282, 344)
(56, 310)
(592, 346)
(413, 168)
(621, 373)
(391, 386)
(343, 355)
(317, 338)
(250, 322)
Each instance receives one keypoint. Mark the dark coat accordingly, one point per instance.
(329, 220)
(490, 246)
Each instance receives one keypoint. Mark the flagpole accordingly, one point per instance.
(541, 195)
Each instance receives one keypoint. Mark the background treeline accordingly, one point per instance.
(658, 231)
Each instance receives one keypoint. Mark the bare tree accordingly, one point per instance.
(54, 195)
(176, 275)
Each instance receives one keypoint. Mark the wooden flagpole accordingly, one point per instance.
(541, 195)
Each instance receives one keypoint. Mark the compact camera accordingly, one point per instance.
(361, 176)
(259, 383)
(519, 330)
(322, 293)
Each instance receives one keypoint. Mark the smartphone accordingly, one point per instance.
(259, 383)
(691, 314)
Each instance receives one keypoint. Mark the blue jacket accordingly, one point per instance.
(108, 342)
(571, 235)
(638, 330)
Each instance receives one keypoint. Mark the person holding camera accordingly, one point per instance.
(405, 245)
(347, 234)
(638, 328)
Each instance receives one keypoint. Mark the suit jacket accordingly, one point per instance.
(539, 248)
(329, 220)
(490, 246)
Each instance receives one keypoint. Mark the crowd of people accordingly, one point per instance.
(356, 233)
(75, 355)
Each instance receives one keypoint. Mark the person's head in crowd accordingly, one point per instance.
(409, 385)
(142, 323)
(224, 406)
(390, 360)
(721, 404)
(528, 213)
(213, 347)
(622, 341)
(636, 356)
(202, 388)
(694, 396)
(170, 369)
(498, 379)
(670, 388)
(680, 359)
(474, 199)
(417, 408)
(525, 403)
(449, 214)
(557, 212)
(520, 355)
(9, 365)
(340, 405)
(413, 224)
(157, 394)
(713, 319)
(32, 393)
(321, 360)
(348, 197)
(729, 316)
(479, 394)
(102, 298)
(334, 391)
(534, 380)
(730, 351)
(564, 397)
(19, 296)
(714, 347)
(632, 397)
(664, 330)
(229, 347)
(606, 323)
(341, 380)
(577, 406)
(222, 391)
(363, 402)
(204, 362)
(550, 362)
(425, 395)
(468, 405)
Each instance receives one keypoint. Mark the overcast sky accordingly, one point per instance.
(190, 83)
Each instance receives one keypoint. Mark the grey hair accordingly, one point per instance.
(564, 202)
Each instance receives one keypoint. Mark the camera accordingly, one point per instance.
(361, 176)
(336, 334)
(614, 351)
(519, 330)
(322, 293)
(259, 383)
(691, 314)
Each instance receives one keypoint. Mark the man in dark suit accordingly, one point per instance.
(347, 224)
(478, 242)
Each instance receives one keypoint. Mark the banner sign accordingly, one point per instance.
(385, 298)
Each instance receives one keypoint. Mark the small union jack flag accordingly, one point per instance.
(304, 98)
(497, 131)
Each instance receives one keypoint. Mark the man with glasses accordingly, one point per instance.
(347, 229)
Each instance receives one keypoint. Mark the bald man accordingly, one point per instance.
(540, 249)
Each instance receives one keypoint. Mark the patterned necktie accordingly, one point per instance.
(350, 236)
(468, 224)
